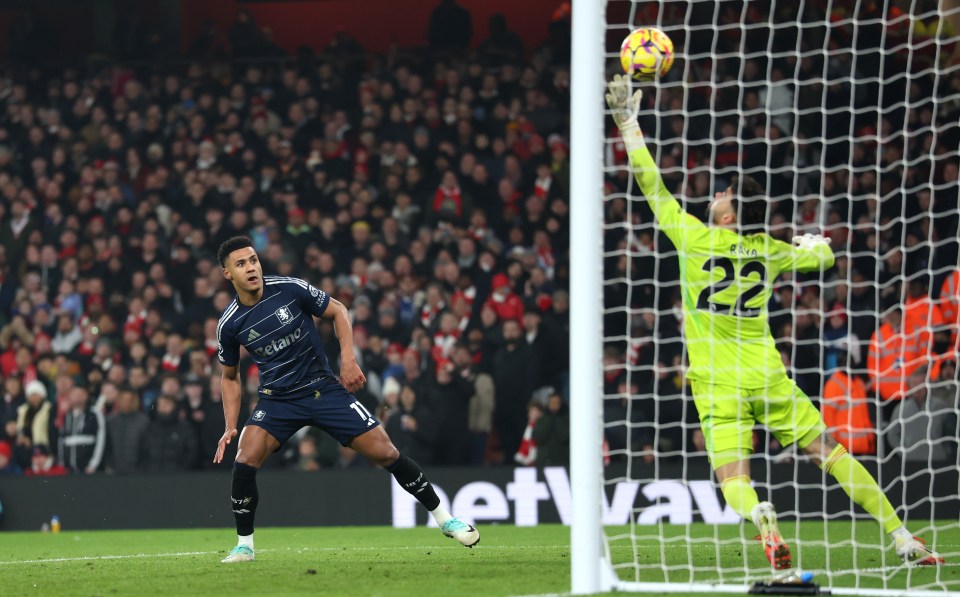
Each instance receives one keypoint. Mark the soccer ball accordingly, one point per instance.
(646, 53)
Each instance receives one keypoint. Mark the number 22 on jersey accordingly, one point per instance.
(751, 271)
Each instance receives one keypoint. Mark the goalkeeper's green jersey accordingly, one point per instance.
(726, 280)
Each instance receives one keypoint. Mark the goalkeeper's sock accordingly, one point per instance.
(861, 487)
(244, 498)
(740, 495)
(413, 480)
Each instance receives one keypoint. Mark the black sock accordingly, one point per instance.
(244, 497)
(411, 477)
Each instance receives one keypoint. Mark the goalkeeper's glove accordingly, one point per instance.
(810, 241)
(624, 105)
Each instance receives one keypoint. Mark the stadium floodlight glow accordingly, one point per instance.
(847, 115)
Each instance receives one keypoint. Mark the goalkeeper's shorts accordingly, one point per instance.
(728, 415)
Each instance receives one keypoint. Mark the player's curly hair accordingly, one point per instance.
(230, 245)
(749, 203)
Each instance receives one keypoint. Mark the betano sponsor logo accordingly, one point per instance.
(276, 346)
(675, 502)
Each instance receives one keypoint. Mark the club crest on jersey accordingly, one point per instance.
(284, 315)
(258, 415)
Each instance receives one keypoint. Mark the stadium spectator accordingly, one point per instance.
(13, 398)
(448, 396)
(924, 424)
(8, 465)
(246, 39)
(845, 407)
(35, 423)
(552, 433)
(503, 46)
(413, 426)
(547, 344)
(307, 454)
(126, 428)
(482, 401)
(169, 444)
(84, 436)
(44, 464)
(503, 301)
(451, 27)
(945, 398)
(921, 316)
(885, 359)
(514, 379)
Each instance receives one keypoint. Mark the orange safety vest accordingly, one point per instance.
(885, 363)
(950, 301)
(846, 413)
(920, 316)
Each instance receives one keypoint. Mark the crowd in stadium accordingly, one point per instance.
(428, 192)
(425, 190)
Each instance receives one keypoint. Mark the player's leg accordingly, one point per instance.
(339, 413)
(268, 428)
(793, 418)
(727, 422)
(252, 450)
(727, 432)
(863, 489)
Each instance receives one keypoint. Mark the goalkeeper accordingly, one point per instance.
(737, 377)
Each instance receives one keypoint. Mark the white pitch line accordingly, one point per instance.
(180, 554)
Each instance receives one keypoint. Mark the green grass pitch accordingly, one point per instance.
(384, 561)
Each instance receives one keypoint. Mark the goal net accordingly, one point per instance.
(847, 115)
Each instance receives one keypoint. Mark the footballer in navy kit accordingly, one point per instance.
(272, 317)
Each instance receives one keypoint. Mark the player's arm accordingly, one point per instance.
(231, 408)
(228, 353)
(624, 107)
(351, 376)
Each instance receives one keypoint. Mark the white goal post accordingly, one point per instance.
(849, 115)
(586, 318)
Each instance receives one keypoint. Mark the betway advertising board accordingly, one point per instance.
(533, 496)
(503, 495)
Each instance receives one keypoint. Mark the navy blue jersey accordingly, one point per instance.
(279, 334)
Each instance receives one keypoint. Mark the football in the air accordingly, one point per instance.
(646, 53)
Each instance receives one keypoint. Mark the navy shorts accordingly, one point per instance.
(327, 405)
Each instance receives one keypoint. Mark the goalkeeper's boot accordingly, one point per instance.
(465, 533)
(776, 550)
(240, 553)
(914, 551)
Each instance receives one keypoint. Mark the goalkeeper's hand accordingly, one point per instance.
(624, 105)
(810, 241)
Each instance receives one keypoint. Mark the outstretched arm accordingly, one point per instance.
(624, 107)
